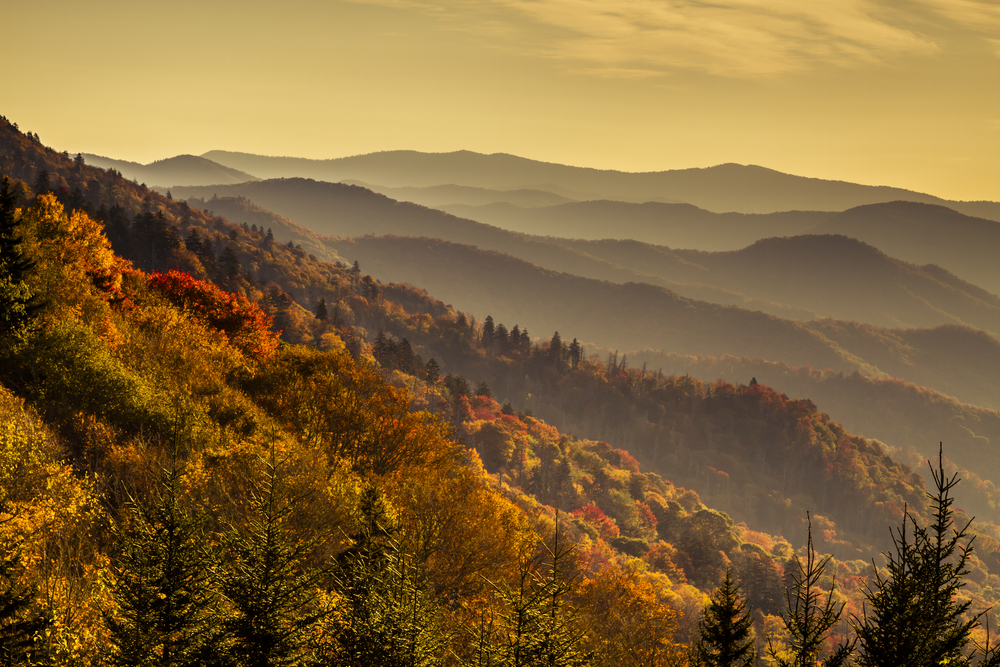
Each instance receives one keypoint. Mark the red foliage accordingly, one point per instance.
(646, 516)
(626, 461)
(246, 326)
(596, 517)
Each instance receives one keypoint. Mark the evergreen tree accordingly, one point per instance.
(556, 350)
(537, 627)
(575, 350)
(725, 632)
(432, 372)
(268, 582)
(809, 616)
(386, 618)
(42, 183)
(161, 580)
(913, 616)
(17, 302)
(21, 623)
(321, 313)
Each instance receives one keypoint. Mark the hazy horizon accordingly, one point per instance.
(853, 90)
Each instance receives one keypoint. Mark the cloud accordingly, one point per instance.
(724, 37)
(979, 15)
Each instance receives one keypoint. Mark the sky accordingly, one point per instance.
(881, 92)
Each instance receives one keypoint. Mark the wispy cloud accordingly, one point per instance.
(723, 37)
(980, 15)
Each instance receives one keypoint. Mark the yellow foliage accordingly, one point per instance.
(631, 622)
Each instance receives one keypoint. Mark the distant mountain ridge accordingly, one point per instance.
(722, 188)
(926, 234)
(659, 223)
(799, 278)
(179, 170)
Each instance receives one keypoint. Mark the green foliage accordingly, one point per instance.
(71, 365)
(913, 615)
(384, 617)
(537, 627)
(268, 582)
(725, 632)
(808, 617)
(17, 299)
(161, 581)
(22, 624)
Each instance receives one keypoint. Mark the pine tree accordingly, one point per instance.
(537, 627)
(321, 312)
(161, 581)
(386, 617)
(432, 372)
(268, 582)
(17, 302)
(913, 616)
(42, 183)
(556, 350)
(20, 620)
(725, 632)
(575, 350)
(809, 616)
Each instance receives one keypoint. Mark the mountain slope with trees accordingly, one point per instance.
(154, 424)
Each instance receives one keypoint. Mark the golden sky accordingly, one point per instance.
(873, 91)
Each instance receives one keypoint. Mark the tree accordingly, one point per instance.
(809, 617)
(432, 372)
(575, 350)
(161, 580)
(913, 616)
(321, 312)
(268, 582)
(556, 350)
(386, 618)
(538, 627)
(42, 183)
(20, 621)
(725, 632)
(17, 301)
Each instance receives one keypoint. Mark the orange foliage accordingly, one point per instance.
(243, 322)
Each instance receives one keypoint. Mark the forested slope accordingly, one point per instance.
(151, 417)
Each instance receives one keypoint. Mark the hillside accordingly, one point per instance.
(795, 279)
(133, 401)
(722, 188)
(926, 234)
(436, 196)
(673, 225)
(179, 170)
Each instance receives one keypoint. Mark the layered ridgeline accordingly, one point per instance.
(798, 278)
(723, 188)
(126, 372)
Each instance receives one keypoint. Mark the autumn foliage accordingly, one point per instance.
(244, 323)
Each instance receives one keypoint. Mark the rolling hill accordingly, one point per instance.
(179, 170)
(926, 234)
(726, 187)
(794, 278)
